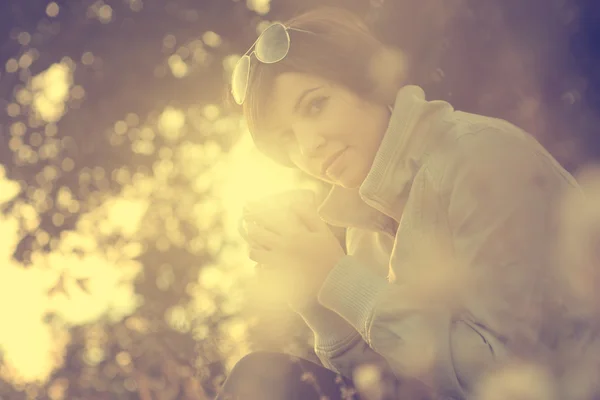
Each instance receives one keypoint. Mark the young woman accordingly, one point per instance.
(450, 217)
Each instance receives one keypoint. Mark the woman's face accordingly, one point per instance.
(324, 129)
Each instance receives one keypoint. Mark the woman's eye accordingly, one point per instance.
(315, 106)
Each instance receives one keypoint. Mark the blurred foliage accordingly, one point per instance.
(123, 172)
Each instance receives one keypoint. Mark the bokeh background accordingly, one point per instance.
(123, 171)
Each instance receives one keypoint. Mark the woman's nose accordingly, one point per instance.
(309, 141)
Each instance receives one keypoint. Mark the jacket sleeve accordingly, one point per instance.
(337, 344)
(494, 191)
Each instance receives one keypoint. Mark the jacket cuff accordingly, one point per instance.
(352, 290)
(330, 330)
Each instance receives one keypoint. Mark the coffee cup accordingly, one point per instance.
(277, 208)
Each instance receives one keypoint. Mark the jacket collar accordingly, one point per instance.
(415, 126)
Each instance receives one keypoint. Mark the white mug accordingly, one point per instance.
(276, 208)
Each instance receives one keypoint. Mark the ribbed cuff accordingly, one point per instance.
(352, 290)
(330, 330)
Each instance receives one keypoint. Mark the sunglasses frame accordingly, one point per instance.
(247, 57)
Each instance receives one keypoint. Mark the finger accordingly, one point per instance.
(264, 220)
(261, 256)
(309, 217)
(259, 236)
(262, 268)
(242, 229)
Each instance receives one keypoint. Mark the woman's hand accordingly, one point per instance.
(301, 252)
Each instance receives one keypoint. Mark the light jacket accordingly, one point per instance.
(449, 267)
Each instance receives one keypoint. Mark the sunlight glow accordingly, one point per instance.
(248, 175)
(79, 281)
(51, 91)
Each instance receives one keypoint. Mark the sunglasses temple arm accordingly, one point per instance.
(300, 30)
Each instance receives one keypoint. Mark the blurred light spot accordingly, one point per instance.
(18, 129)
(200, 56)
(367, 379)
(518, 381)
(211, 112)
(123, 358)
(130, 384)
(132, 119)
(200, 332)
(87, 58)
(51, 91)
(235, 329)
(93, 356)
(136, 5)
(165, 277)
(210, 276)
(78, 92)
(177, 318)
(12, 65)
(24, 97)
(171, 123)
(58, 219)
(31, 218)
(178, 67)
(25, 61)
(203, 304)
(211, 39)
(183, 52)
(36, 139)
(52, 9)
(143, 147)
(262, 25)
(191, 15)
(50, 129)
(67, 164)
(98, 173)
(42, 237)
(169, 41)
(49, 150)
(8, 189)
(58, 389)
(105, 13)
(261, 7)
(13, 110)
(121, 127)
(229, 63)
(64, 197)
(137, 324)
(388, 69)
(24, 38)
(125, 215)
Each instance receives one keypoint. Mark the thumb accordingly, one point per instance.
(309, 217)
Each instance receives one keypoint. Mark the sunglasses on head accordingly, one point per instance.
(272, 46)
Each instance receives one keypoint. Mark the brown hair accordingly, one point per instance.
(340, 49)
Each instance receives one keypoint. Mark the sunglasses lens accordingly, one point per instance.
(239, 79)
(273, 44)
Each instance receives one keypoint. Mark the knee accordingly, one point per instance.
(259, 375)
(262, 362)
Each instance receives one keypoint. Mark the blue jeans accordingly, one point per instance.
(264, 375)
